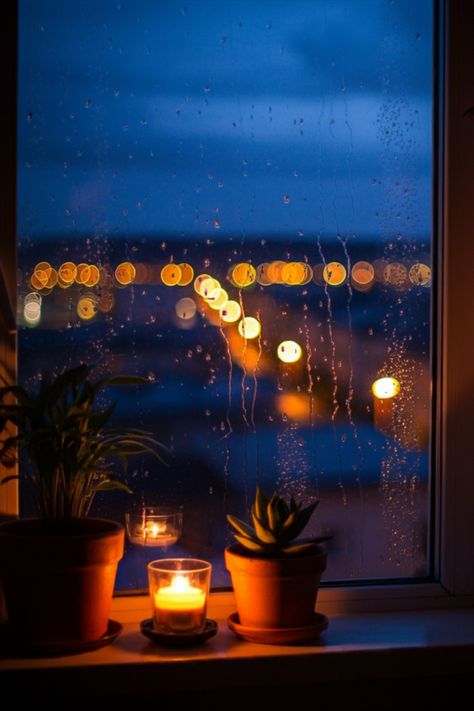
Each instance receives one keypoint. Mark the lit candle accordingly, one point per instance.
(179, 607)
(155, 533)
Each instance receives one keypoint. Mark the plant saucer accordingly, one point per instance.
(26, 648)
(279, 635)
(178, 639)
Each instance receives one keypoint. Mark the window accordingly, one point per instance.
(325, 185)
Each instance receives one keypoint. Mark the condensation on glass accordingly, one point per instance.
(234, 200)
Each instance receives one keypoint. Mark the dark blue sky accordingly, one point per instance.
(225, 118)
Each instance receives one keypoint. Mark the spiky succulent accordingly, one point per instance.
(275, 525)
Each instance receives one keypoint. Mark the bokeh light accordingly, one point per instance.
(249, 327)
(186, 308)
(385, 388)
(289, 351)
(334, 273)
(230, 313)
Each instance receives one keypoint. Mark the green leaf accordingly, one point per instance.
(241, 526)
(261, 503)
(250, 544)
(273, 514)
(263, 533)
(298, 548)
(111, 485)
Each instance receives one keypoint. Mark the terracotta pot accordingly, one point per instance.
(58, 587)
(275, 592)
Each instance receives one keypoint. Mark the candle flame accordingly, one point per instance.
(180, 584)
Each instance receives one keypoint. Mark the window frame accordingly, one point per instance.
(453, 491)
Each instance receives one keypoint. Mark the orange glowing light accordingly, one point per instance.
(187, 274)
(262, 277)
(296, 406)
(37, 282)
(334, 273)
(94, 276)
(274, 271)
(243, 274)
(385, 388)
(420, 274)
(125, 273)
(249, 327)
(230, 313)
(293, 273)
(289, 351)
(42, 266)
(83, 272)
(67, 272)
(52, 278)
(363, 273)
(170, 274)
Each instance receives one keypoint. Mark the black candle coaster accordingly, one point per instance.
(178, 639)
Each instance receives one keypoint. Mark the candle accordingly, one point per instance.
(154, 527)
(180, 607)
(178, 592)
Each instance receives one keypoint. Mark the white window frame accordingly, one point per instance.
(454, 451)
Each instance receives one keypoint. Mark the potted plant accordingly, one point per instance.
(275, 577)
(58, 570)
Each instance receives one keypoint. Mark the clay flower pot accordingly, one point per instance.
(58, 587)
(275, 593)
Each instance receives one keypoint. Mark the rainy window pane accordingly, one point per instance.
(234, 200)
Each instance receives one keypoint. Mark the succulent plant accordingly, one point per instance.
(275, 525)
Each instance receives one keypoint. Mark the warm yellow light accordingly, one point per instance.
(125, 273)
(186, 308)
(385, 388)
(230, 312)
(334, 273)
(249, 327)
(86, 308)
(217, 299)
(52, 278)
(171, 274)
(243, 274)
(208, 286)
(83, 272)
(289, 351)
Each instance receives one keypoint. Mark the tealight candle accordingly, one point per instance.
(178, 591)
(154, 527)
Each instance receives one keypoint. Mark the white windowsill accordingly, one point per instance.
(363, 646)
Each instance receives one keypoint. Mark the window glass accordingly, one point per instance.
(234, 199)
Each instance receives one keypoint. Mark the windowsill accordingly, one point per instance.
(362, 647)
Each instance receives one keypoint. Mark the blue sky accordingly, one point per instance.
(233, 118)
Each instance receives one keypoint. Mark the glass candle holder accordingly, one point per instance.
(179, 588)
(154, 527)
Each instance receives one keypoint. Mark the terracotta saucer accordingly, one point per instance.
(58, 649)
(181, 639)
(282, 635)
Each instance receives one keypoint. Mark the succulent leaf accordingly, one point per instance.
(261, 503)
(250, 544)
(263, 533)
(243, 528)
